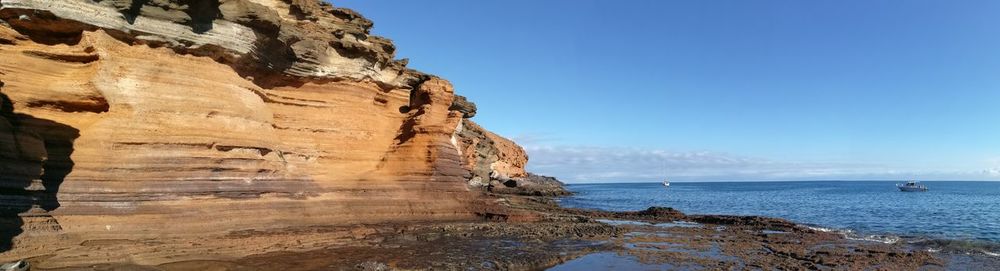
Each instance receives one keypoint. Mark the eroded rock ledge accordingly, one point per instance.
(280, 41)
(166, 121)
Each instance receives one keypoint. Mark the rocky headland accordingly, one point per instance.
(281, 134)
(133, 121)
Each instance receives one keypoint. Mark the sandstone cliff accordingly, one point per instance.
(488, 156)
(128, 126)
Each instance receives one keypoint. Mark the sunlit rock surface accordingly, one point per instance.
(165, 130)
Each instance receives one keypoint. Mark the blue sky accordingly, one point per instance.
(601, 91)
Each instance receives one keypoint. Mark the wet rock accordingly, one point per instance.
(756, 222)
(651, 214)
(532, 185)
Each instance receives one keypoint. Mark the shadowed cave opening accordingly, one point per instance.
(201, 13)
(35, 160)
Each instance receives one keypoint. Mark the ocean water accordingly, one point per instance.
(964, 211)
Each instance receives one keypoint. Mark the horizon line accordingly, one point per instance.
(775, 181)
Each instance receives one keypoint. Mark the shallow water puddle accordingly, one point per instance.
(654, 246)
(622, 222)
(679, 224)
(675, 224)
(610, 261)
(655, 234)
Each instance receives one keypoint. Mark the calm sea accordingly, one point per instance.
(949, 211)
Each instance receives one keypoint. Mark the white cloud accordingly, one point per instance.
(608, 164)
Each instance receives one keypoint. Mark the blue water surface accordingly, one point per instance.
(950, 210)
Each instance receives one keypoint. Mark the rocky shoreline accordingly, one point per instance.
(284, 135)
(538, 234)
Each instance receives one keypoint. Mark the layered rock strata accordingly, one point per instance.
(491, 159)
(157, 120)
(532, 185)
(497, 164)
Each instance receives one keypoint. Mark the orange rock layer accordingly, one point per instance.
(131, 133)
(488, 156)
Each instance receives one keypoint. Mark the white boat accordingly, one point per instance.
(666, 183)
(911, 186)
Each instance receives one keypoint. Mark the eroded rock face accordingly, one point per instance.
(462, 104)
(497, 164)
(171, 120)
(277, 41)
(490, 158)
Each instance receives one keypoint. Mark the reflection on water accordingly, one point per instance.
(609, 261)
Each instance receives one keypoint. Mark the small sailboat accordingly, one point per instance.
(663, 170)
(911, 186)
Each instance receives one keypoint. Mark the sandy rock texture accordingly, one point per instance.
(135, 131)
